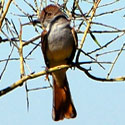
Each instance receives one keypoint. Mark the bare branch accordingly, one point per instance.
(31, 76)
(4, 13)
(89, 23)
(118, 36)
(115, 60)
(6, 63)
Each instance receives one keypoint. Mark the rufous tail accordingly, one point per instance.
(62, 103)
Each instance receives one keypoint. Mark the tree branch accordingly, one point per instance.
(31, 76)
(4, 13)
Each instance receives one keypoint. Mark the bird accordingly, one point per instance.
(59, 42)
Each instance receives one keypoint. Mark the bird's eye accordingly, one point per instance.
(49, 14)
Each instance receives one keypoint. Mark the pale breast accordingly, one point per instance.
(60, 43)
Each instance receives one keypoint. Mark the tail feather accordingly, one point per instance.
(62, 103)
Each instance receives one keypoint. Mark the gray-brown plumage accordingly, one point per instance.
(59, 42)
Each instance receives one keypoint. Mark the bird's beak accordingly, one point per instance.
(37, 21)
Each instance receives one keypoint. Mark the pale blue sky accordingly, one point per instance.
(97, 103)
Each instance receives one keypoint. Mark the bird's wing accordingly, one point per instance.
(44, 45)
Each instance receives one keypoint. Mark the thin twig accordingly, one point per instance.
(7, 61)
(13, 59)
(27, 98)
(34, 89)
(20, 9)
(31, 40)
(105, 25)
(98, 78)
(89, 24)
(103, 31)
(29, 4)
(21, 53)
(9, 39)
(110, 12)
(114, 62)
(91, 58)
(107, 44)
(109, 52)
(107, 4)
(32, 50)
